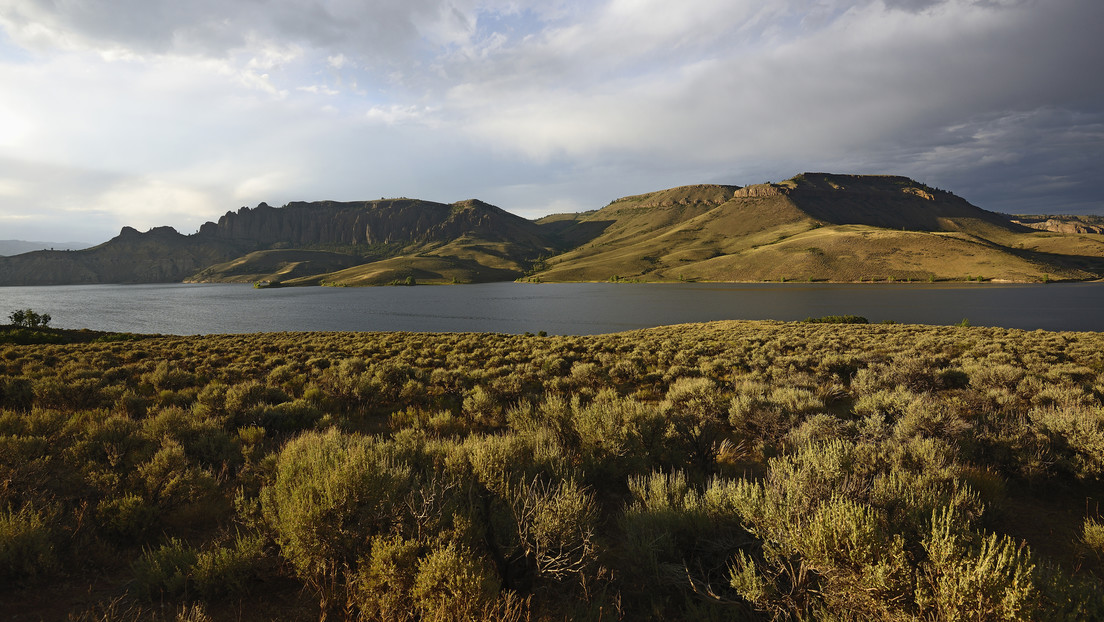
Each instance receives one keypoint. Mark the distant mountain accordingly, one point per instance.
(15, 247)
(160, 255)
(813, 227)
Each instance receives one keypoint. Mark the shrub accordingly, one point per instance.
(165, 571)
(331, 492)
(971, 576)
(173, 481)
(556, 526)
(382, 586)
(127, 518)
(695, 411)
(1078, 428)
(762, 415)
(228, 569)
(16, 394)
(1092, 536)
(661, 525)
(452, 584)
(26, 545)
(618, 436)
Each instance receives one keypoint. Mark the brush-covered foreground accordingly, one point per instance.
(733, 470)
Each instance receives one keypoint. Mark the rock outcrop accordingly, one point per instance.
(387, 221)
(760, 191)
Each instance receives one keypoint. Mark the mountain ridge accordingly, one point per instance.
(814, 226)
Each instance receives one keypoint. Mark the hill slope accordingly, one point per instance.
(816, 226)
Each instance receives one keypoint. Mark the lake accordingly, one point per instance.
(568, 308)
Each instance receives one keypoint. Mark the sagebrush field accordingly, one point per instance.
(722, 471)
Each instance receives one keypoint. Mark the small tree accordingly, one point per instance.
(28, 318)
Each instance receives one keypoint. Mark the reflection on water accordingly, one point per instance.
(571, 308)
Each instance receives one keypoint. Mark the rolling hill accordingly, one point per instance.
(813, 227)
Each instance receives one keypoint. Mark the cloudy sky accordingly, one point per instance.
(165, 112)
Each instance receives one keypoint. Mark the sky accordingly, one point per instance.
(147, 113)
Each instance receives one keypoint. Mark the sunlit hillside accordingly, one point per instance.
(816, 227)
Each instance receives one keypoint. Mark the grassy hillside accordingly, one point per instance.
(274, 266)
(731, 470)
(819, 227)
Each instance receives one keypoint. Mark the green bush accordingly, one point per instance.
(383, 585)
(126, 519)
(229, 569)
(969, 576)
(452, 584)
(165, 571)
(26, 545)
(330, 494)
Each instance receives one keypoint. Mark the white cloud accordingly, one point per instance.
(12, 188)
(145, 203)
(399, 114)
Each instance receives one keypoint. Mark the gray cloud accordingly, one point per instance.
(206, 105)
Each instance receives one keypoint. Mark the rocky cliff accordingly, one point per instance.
(389, 221)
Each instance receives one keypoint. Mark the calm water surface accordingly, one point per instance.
(573, 308)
